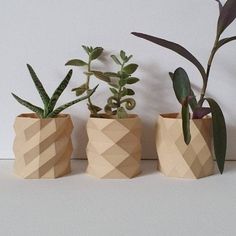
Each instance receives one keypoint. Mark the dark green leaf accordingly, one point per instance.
(124, 92)
(128, 58)
(130, 69)
(130, 92)
(219, 133)
(176, 48)
(39, 111)
(113, 90)
(192, 100)
(86, 49)
(115, 59)
(224, 41)
(59, 91)
(76, 62)
(181, 85)
(96, 53)
(186, 123)
(132, 80)
(43, 94)
(80, 90)
(129, 103)
(122, 82)
(94, 108)
(123, 55)
(111, 74)
(121, 113)
(227, 16)
(63, 107)
(101, 76)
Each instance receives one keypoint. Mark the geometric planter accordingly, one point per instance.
(114, 148)
(176, 159)
(42, 147)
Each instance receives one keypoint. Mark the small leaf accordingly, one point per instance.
(219, 133)
(128, 58)
(115, 59)
(130, 103)
(96, 53)
(130, 92)
(123, 55)
(111, 74)
(181, 85)
(43, 94)
(186, 123)
(227, 16)
(93, 108)
(100, 75)
(130, 69)
(114, 85)
(114, 91)
(124, 92)
(80, 90)
(39, 111)
(121, 113)
(76, 62)
(132, 80)
(122, 82)
(176, 48)
(86, 49)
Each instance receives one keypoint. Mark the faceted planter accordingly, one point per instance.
(42, 147)
(176, 159)
(114, 149)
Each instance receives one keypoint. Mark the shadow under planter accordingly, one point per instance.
(114, 147)
(176, 159)
(42, 147)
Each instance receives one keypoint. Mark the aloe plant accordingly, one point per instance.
(49, 110)
(93, 54)
(182, 86)
(118, 102)
(117, 82)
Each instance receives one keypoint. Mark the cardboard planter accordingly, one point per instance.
(176, 159)
(42, 147)
(114, 148)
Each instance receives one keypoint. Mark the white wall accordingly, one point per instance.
(48, 33)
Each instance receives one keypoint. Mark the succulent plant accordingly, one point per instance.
(182, 86)
(118, 103)
(49, 110)
(117, 82)
(93, 54)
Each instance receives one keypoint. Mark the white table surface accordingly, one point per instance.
(151, 204)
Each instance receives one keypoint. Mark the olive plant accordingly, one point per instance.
(182, 86)
(116, 80)
(119, 89)
(49, 110)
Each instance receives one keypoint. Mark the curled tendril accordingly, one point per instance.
(129, 103)
(112, 102)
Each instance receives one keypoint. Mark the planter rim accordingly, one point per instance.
(175, 116)
(33, 116)
(105, 117)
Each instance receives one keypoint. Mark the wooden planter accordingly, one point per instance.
(176, 159)
(114, 149)
(42, 147)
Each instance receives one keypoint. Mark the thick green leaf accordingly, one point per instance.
(80, 90)
(39, 111)
(130, 92)
(96, 53)
(115, 59)
(224, 41)
(65, 106)
(100, 75)
(130, 69)
(186, 123)
(76, 62)
(176, 48)
(181, 85)
(59, 91)
(219, 133)
(132, 80)
(227, 16)
(43, 94)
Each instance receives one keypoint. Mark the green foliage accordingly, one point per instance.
(182, 86)
(49, 110)
(119, 89)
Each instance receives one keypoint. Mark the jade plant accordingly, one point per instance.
(118, 102)
(49, 110)
(182, 86)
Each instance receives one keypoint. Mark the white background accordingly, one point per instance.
(48, 33)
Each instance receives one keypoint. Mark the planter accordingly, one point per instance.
(114, 148)
(42, 147)
(176, 159)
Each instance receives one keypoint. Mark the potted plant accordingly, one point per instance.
(43, 144)
(114, 149)
(183, 155)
